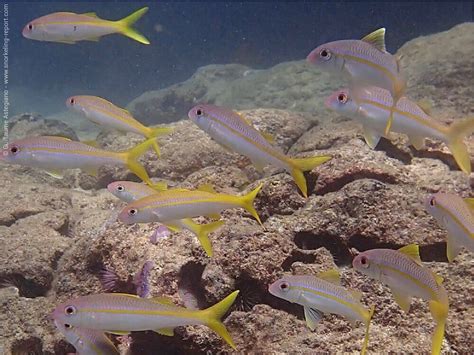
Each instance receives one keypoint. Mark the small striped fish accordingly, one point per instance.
(176, 204)
(231, 130)
(371, 107)
(364, 62)
(68, 27)
(455, 214)
(323, 294)
(54, 154)
(105, 113)
(129, 192)
(403, 272)
(87, 341)
(120, 313)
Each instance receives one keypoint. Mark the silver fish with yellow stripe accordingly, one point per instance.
(371, 107)
(403, 272)
(234, 132)
(118, 313)
(455, 214)
(105, 113)
(323, 294)
(132, 191)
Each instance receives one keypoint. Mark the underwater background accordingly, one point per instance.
(60, 237)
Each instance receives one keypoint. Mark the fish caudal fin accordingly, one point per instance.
(126, 23)
(213, 315)
(203, 235)
(155, 132)
(367, 327)
(439, 311)
(456, 133)
(305, 164)
(132, 163)
(247, 202)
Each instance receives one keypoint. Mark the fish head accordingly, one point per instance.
(69, 332)
(341, 101)
(78, 103)
(200, 115)
(67, 313)
(133, 213)
(437, 204)
(34, 30)
(121, 190)
(328, 57)
(367, 263)
(284, 288)
(16, 152)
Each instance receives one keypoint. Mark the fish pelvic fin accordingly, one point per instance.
(246, 202)
(439, 311)
(212, 317)
(455, 134)
(305, 164)
(125, 26)
(367, 328)
(155, 132)
(202, 235)
(452, 248)
(131, 157)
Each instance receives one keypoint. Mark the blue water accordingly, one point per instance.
(257, 34)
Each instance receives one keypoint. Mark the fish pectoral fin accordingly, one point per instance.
(332, 276)
(118, 332)
(313, 317)
(169, 332)
(413, 251)
(376, 39)
(371, 137)
(57, 174)
(402, 299)
(438, 278)
(425, 106)
(417, 141)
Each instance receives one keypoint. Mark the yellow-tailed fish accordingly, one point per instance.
(129, 192)
(323, 294)
(233, 131)
(105, 113)
(87, 341)
(120, 313)
(68, 27)
(403, 272)
(364, 62)
(173, 205)
(55, 154)
(455, 214)
(371, 107)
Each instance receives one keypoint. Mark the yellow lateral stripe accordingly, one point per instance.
(143, 312)
(130, 121)
(373, 65)
(432, 124)
(92, 24)
(101, 154)
(273, 153)
(184, 202)
(456, 219)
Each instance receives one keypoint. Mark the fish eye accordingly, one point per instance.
(67, 326)
(325, 54)
(342, 98)
(284, 286)
(120, 188)
(432, 201)
(199, 112)
(364, 261)
(72, 101)
(14, 149)
(132, 212)
(70, 310)
(30, 26)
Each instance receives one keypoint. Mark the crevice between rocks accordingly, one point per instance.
(26, 288)
(29, 346)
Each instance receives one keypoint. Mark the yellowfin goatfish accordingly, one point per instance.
(233, 131)
(129, 192)
(120, 313)
(87, 341)
(105, 113)
(54, 154)
(323, 294)
(455, 214)
(173, 205)
(403, 272)
(365, 62)
(68, 27)
(371, 107)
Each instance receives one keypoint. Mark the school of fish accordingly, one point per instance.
(375, 98)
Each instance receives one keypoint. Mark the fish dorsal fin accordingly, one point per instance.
(126, 295)
(57, 174)
(356, 294)
(377, 39)
(439, 279)
(206, 188)
(92, 143)
(243, 118)
(469, 202)
(413, 251)
(91, 14)
(268, 137)
(59, 138)
(332, 276)
(162, 300)
(425, 106)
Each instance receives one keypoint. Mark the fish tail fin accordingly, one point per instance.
(126, 23)
(367, 327)
(247, 202)
(138, 169)
(439, 311)
(155, 132)
(203, 235)
(213, 315)
(455, 134)
(305, 164)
